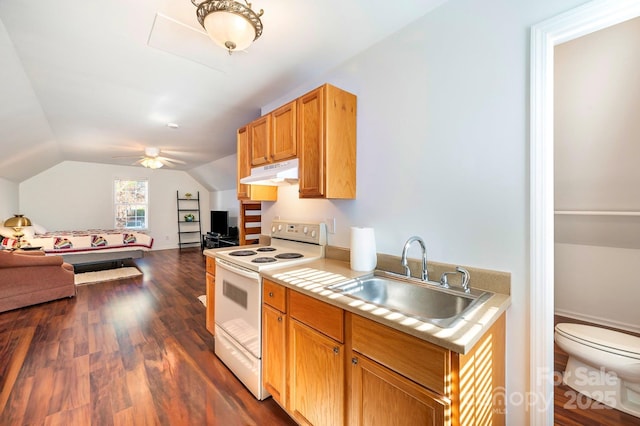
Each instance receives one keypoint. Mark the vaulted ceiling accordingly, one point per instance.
(84, 80)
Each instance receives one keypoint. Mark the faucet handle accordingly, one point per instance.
(465, 278)
(464, 282)
(444, 282)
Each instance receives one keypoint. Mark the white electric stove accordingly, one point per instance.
(238, 294)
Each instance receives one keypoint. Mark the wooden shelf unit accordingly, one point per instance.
(187, 228)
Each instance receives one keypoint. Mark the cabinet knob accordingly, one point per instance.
(279, 319)
(336, 350)
(270, 294)
(354, 361)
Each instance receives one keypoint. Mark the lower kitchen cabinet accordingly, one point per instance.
(316, 376)
(274, 347)
(380, 396)
(326, 366)
(210, 277)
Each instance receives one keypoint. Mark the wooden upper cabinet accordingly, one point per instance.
(311, 137)
(319, 129)
(244, 165)
(259, 135)
(250, 192)
(284, 133)
(327, 143)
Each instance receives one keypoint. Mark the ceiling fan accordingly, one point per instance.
(153, 160)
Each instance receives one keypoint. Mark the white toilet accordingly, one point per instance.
(603, 365)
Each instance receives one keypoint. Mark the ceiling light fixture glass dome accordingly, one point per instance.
(230, 24)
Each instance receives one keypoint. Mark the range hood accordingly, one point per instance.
(276, 174)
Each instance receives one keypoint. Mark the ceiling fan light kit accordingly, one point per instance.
(230, 24)
(151, 163)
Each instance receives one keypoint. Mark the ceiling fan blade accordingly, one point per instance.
(128, 156)
(173, 160)
(165, 162)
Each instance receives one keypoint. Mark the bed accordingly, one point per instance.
(89, 246)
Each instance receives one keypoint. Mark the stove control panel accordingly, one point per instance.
(307, 232)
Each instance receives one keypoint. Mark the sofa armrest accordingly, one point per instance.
(15, 260)
(29, 252)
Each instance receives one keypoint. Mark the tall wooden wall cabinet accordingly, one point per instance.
(327, 140)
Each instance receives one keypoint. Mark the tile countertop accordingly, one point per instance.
(312, 278)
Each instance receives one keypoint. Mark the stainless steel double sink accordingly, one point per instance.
(426, 301)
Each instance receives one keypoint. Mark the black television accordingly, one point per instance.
(220, 221)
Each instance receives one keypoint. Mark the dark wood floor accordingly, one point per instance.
(126, 352)
(574, 409)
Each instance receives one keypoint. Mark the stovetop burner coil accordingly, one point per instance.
(289, 255)
(266, 249)
(263, 260)
(242, 253)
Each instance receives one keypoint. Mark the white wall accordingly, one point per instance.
(443, 148)
(598, 284)
(8, 199)
(76, 195)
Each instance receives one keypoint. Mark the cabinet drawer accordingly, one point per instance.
(321, 316)
(422, 362)
(211, 265)
(274, 295)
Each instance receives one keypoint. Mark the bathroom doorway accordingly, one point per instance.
(597, 218)
(545, 36)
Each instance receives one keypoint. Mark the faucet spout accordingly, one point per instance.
(405, 262)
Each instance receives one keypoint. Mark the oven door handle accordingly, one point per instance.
(237, 269)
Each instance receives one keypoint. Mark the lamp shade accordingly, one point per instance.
(17, 221)
(229, 30)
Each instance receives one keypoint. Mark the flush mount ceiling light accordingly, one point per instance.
(230, 24)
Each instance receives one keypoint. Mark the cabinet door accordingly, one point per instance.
(283, 132)
(244, 166)
(382, 397)
(273, 353)
(311, 143)
(259, 133)
(316, 376)
(211, 294)
(250, 192)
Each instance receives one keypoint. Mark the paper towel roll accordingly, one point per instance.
(363, 249)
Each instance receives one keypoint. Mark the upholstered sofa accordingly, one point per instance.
(27, 278)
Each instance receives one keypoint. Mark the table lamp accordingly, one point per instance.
(17, 222)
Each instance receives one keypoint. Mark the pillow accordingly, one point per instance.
(7, 232)
(28, 233)
(8, 243)
(39, 229)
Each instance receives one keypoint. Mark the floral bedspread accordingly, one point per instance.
(90, 240)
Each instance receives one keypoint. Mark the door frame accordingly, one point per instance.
(583, 20)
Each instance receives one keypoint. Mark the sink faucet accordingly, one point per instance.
(425, 274)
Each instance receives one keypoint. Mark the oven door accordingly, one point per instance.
(238, 305)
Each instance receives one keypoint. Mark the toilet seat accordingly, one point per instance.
(603, 339)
